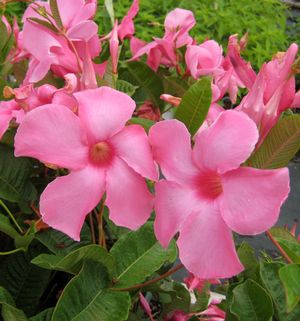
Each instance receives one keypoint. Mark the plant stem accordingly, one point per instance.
(102, 241)
(11, 216)
(280, 249)
(92, 228)
(142, 285)
(11, 252)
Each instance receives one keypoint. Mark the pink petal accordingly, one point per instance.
(126, 28)
(253, 197)
(136, 44)
(296, 102)
(171, 145)
(66, 201)
(206, 246)
(53, 134)
(132, 145)
(227, 143)
(84, 30)
(179, 19)
(6, 114)
(129, 201)
(68, 9)
(242, 68)
(173, 204)
(104, 111)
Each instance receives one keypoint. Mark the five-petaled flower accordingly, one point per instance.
(101, 154)
(206, 193)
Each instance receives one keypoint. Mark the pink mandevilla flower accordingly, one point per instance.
(101, 155)
(204, 59)
(206, 193)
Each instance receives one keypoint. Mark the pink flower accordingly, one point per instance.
(203, 59)
(178, 23)
(101, 155)
(272, 92)
(126, 28)
(195, 283)
(163, 51)
(177, 316)
(242, 68)
(212, 313)
(54, 51)
(206, 193)
(146, 306)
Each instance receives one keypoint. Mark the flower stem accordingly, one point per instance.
(92, 228)
(11, 216)
(11, 252)
(102, 241)
(142, 285)
(278, 246)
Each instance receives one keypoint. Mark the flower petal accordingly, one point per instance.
(253, 197)
(84, 30)
(68, 199)
(52, 134)
(132, 145)
(171, 145)
(128, 198)
(227, 143)
(206, 246)
(173, 204)
(104, 111)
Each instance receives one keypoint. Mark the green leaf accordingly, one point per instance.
(144, 77)
(146, 123)
(269, 273)
(126, 87)
(7, 228)
(6, 48)
(86, 297)
(175, 86)
(55, 13)
(43, 23)
(60, 244)
(4, 34)
(9, 311)
(290, 276)
(138, 255)
(25, 281)
(110, 10)
(14, 177)
(45, 315)
(194, 105)
(280, 146)
(251, 302)
(73, 262)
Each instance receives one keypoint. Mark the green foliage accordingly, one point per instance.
(280, 146)
(15, 185)
(138, 255)
(218, 19)
(194, 106)
(251, 302)
(86, 298)
(290, 277)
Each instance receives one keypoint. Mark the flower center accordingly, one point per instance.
(210, 185)
(101, 154)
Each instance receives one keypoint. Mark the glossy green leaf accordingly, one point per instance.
(4, 34)
(25, 281)
(290, 276)
(146, 123)
(251, 302)
(7, 227)
(86, 297)
(73, 262)
(14, 176)
(143, 76)
(138, 255)
(280, 146)
(269, 273)
(194, 105)
(9, 311)
(43, 23)
(55, 13)
(45, 315)
(60, 244)
(175, 86)
(126, 87)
